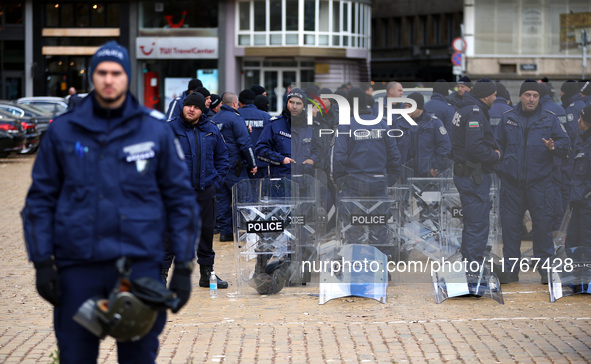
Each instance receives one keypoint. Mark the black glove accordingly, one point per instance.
(47, 281)
(180, 284)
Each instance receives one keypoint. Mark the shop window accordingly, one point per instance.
(13, 13)
(81, 15)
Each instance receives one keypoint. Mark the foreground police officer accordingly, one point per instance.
(108, 182)
(529, 138)
(579, 228)
(475, 154)
(206, 156)
(240, 153)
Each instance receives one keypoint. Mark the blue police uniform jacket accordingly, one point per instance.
(257, 120)
(368, 150)
(275, 143)
(424, 146)
(323, 127)
(525, 158)
(204, 141)
(456, 100)
(176, 106)
(440, 107)
(472, 139)
(573, 108)
(581, 184)
(235, 133)
(107, 184)
(498, 108)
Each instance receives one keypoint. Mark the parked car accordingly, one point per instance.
(50, 104)
(43, 119)
(32, 135)
(12, 136)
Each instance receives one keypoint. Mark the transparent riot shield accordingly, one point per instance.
(367, 227)
(278, 222)
(455, 278)
(422, 232)
(265, 239)
(358, 270)
(570, 273)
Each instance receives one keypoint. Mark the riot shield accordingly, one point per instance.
(456, 278)
(367, 226)
(265, 240)
(358, 270)
(570, 273)
(278, 222)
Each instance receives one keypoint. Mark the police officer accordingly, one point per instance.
(255, 120)
(216, 103)
(393, 89)
(262, 103)
(275, 143)
(579, 228)
(108, 182)
(547, 104)
(439, 106)
(240, 154)
(176, 105)
(206, 156)
(464, 86)
(475, 154)
(501, 105)
(529, 138)
(424, 147)
(366, 160)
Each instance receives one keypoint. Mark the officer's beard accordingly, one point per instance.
(299, 120)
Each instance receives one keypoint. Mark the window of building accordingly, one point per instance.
(303, 23)
(81, 15)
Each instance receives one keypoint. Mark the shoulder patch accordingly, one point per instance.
(157, 115)
(473, 124)
(442, 130)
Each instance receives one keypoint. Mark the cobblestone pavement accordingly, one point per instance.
(291, 327)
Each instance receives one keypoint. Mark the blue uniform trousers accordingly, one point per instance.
(539, 199)
(579, 227)
(225, 201)
(476, 211)
(81, 282)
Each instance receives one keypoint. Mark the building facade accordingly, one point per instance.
(229, 45)
(525, 39)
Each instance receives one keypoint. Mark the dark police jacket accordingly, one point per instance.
(235, 133)
(257, 120)
(440, 107)
(176, 106)
(424, 146)
(108, 184)
(205, 152)
(581, 185)
(368, 150)
(472, 139)
(525, 158)
(275, 143)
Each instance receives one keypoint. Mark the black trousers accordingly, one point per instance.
(207, 203)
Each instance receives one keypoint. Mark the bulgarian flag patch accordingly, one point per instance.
(473, 124)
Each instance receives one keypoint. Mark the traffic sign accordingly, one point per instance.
(459, 44)
(457, 70)
(456, 59)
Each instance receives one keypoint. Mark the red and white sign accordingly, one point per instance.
(459, 44)
(177, 48)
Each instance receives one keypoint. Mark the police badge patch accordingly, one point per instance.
(442, 130)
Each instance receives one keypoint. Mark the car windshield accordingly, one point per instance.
(46, 106)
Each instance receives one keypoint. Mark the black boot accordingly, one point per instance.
(205, 271)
